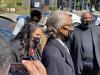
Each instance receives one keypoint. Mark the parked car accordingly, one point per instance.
(6, 34)
(45, 16)
(97, 18)
(75, 19)
(6, 27)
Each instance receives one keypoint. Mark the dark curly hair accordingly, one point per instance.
(25, 37)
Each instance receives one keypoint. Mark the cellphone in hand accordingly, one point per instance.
(17, 69)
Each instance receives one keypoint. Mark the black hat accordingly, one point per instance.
(36, 14)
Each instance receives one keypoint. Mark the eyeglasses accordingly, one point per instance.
(68, 27)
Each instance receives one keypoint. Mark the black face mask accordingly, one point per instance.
(86, 23)
(36, 41)
(65, 38)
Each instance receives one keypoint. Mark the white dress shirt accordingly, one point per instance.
(63, 45)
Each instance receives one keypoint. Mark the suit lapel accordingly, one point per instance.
(96, 41)
(96, 35)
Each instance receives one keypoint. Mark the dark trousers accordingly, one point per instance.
(90, 67)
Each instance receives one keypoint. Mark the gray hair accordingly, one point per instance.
(5, 54)
(55, 20)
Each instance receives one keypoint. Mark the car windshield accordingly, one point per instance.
(6, 34)
(97, 15)
(6, 28)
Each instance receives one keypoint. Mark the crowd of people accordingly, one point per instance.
(68, 50)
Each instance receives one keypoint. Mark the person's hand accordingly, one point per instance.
(34, 67)
(6, 70)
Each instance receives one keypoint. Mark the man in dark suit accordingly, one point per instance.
(56, 56)
(85, 45)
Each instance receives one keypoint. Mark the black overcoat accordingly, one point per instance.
(76, 46)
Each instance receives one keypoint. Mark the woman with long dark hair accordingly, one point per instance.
(29, 38)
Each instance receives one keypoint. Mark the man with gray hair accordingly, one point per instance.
(6, 56)
(85, 46)
(56, 55)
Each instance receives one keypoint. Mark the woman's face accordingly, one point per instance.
(37, 33)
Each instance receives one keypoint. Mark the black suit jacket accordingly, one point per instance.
(56, 59)
(76, 46)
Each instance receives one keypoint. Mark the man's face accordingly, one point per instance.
(67, 28)
(87, 18)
